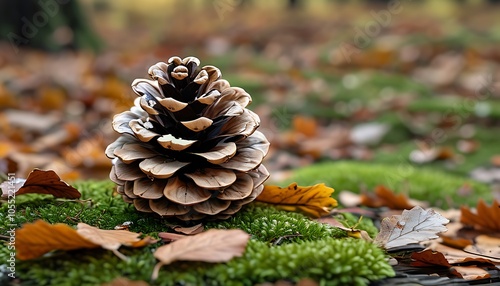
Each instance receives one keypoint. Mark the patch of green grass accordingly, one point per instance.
(437, 187)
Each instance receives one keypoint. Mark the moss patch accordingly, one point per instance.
(283, 246)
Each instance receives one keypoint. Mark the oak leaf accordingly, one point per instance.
(214, 245)
(412, 226)
(486, 217)
(40, 237)
(315, 201)
(48, 182)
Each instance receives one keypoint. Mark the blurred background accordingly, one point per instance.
(394, 82)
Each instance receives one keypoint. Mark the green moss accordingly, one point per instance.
(437, 187)
(284, 245)
(330, 261)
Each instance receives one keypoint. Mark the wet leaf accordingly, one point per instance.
(48, 182)
(314, 201)
(412, 226)
(486, 217)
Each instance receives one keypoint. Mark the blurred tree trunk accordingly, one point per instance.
(46, 24)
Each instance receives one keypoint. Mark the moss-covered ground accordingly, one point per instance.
(284, 245)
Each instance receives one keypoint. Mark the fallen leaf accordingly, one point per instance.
(485, 217)
(48, 182)
(35, 239)
(469, 272)
(214, 245)
(457, 256)
(195, 229)
(169, 236)
(108, 239)
(487, 246)
(429, 257)
(412, 226)
(386, 197)
(456, 242)
(40, 237)
(314, 201)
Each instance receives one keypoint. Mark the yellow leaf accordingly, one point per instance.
(314, 201)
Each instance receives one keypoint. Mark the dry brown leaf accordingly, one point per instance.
(485, 217)
(40, 237)
(214, 245)
(469, 272)
(386, 197)
(48, 182)
(169, 236)
(455, 242)
(412, 226)
(487, 246)
(457, 256)
(35, 239)
(315, 201)
(428, 257)
(109, 239)
(195, 229)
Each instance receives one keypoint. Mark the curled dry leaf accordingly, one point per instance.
(48, 182)
(486, 217)
(412, 226)
(315, 201)
(40, 237)
(214, 245)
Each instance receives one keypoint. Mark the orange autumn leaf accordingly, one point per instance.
(485, 217)
(48, 182)
(386, 197)
(35, 239)
(315, 201)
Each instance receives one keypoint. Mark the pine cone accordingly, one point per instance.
(188, 148)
